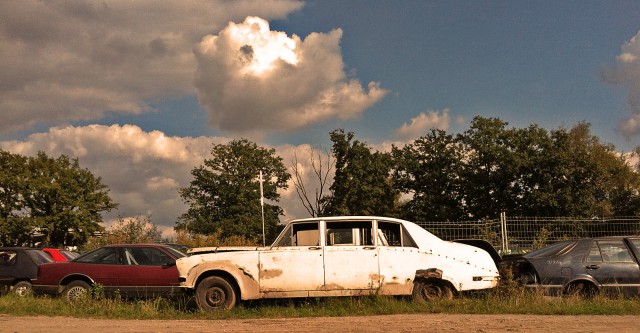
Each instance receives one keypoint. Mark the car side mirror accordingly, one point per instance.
(169, 264)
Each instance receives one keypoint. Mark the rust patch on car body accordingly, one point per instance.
(270, 273)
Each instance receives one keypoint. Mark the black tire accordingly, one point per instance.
(431, 290)
(581, 289)
(215, 293)
(76, 291)
(22, 289)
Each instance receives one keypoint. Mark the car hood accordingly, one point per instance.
(219, 249)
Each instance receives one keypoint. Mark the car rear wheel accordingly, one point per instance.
(215, 293)
(76, 290)
(23, 288)
(429, 290)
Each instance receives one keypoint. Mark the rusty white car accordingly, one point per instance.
(337, 256)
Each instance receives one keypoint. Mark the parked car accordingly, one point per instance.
(18, 266)
(59, 255)
(337, 256)
(584, 267)
(140, 270)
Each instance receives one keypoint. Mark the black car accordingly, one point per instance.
(584, 267)
(18, 266)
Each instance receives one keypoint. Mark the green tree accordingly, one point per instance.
(362, 183)
(134, 230)
(490, 167)
(64, 200)
(429, 170)
(225, 192)
(14, 227)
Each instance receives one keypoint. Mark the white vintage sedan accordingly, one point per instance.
(338, 256)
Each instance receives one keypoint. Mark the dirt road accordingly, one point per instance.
(392, 323)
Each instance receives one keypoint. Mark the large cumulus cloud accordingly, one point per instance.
(145, 169)
(251, 79)
(627, 71)
(63, 61)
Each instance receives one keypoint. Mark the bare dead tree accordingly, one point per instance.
(322, 170)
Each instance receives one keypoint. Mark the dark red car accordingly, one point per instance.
(131, 270)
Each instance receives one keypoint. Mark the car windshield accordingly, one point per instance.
(176, 253)
(553, 250)
(69, 254)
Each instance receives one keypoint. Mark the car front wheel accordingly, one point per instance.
(76, 290)
(215, 293)
(426, 291)
(23, 288)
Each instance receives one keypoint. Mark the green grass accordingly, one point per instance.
(505, 300)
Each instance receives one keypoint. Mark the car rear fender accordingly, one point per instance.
(435, 274)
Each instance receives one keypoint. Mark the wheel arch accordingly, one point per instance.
(582, 279)
(74, 277)
(222, 274)
(435, 275)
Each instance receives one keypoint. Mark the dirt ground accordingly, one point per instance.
(392, 323)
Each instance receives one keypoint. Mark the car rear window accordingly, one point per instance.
(39, 257)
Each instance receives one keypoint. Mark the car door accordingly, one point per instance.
(104, 266)
(148, 272)
(350, 256)
(611, 263)
(294, 264)
(399, 258)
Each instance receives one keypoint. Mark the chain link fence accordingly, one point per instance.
(523, 234)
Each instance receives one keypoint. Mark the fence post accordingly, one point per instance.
(503, 227)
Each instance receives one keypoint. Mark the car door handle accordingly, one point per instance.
(369, 248)
(593, 267)
(315, 248)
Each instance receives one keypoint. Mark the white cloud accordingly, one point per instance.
(63, 61)
(627, 71)
(252, 80)
(145, 169)
(142, 169)
(424, 122)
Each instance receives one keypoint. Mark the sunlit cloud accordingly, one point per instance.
(424, 122)
(66, 61)
(253, 80)
(627, 72)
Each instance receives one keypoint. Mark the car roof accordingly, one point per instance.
(350, 218)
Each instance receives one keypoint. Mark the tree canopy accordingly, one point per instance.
(362, 183)
(54, 197)
(491, 168)
(224, 193)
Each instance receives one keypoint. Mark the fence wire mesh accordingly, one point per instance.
(523, 234)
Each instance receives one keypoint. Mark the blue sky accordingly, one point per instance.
(81, 78)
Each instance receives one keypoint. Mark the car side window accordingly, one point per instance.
(614, 251)
(7, 258)
(594, 253)
(300, 234)
(357, 233)
(148, 256)
(393, 234)
(105, 255)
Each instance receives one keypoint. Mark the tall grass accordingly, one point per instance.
(507, 299)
